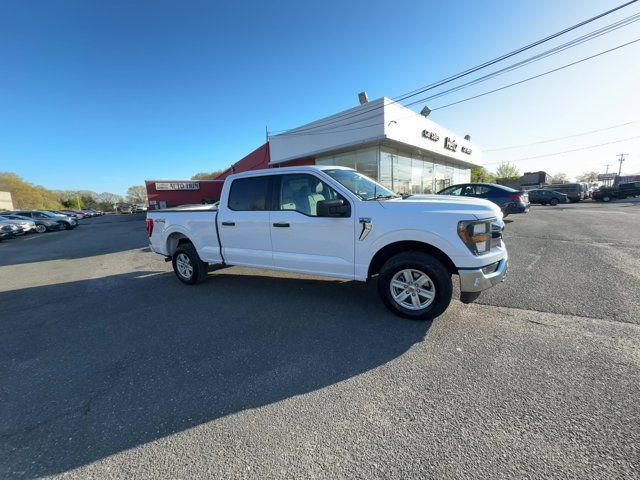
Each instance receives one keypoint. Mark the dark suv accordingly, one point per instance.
(624, 190)
(509, 200)
(546, 197)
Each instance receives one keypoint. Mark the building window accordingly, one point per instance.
(386, 161)
(402, 174)
(427, 177)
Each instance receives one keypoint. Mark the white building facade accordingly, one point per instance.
(386, 141)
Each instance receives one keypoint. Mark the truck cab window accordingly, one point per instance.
(249, 193)
(302, 192)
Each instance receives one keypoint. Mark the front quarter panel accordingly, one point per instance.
(435, 228)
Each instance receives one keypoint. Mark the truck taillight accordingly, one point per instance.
(149, 227)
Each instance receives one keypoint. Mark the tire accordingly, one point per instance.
(187, 265)
(553, 202)
(41, 228)
(63, 226)
(606, 198)
(392, 279)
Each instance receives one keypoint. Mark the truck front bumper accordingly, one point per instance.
(475, 280)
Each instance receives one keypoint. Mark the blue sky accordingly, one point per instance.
(101, 95)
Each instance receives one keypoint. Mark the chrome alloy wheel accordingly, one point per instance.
(184, 266)
(412, 289)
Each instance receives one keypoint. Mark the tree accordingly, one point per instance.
(588, 177)
(137, 194)
(26, 195)
(207, 176)
(481, 174)
(507, 170)
(559, 177)
(108, 200)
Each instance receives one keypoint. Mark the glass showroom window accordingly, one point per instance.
(367, 162)
(427, 176)
(439, 177)
(449, 172)
(402, 174)
(387, 157)
(416, 173)
(347, 159)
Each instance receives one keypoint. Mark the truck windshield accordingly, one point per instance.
(362, 186)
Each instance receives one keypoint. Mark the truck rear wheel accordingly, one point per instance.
(415, 285)
(187, 265)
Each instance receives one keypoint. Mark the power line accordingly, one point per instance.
(504, 87)
(469, 71)
(566, 151)
(537, 76)
(560, 138)
(318, 129)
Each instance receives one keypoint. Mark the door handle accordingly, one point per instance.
(229, 224)
(281, 224)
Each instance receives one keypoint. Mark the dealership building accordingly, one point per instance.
(403, 150)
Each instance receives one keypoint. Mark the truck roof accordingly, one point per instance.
(280, 170)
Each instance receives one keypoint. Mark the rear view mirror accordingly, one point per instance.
(333, 208)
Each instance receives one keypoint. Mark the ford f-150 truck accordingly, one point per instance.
(333, 221)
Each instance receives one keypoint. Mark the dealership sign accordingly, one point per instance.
(434, 137)
(450, 144)
(177, 186)
(606, 176)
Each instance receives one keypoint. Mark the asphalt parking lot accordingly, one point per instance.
(110, 368)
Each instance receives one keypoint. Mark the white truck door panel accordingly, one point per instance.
(243, 223)
(323, 246)
(301, 240)
(246, 238)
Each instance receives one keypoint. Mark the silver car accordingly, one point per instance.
(9, 230)
(27, 225)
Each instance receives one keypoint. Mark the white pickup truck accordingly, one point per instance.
(335, 222)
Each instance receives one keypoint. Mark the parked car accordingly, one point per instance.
(94, 213)
(65, 222)
(42, 225)
(9, 230)
(79, 214)
(509, 200)
(546, 197)
(334, 221)
(67, 213)
(27, 225)
(574, 191)
(138, 208)
(605, 194)
(631, 189)
(624, 190)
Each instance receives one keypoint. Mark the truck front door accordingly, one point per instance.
(304, 242)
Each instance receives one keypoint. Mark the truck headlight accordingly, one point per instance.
(476, 235)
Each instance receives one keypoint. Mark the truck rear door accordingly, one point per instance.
(243, 223)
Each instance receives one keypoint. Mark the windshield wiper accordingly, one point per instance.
(381, 197)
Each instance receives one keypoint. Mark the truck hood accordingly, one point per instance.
(477, 207)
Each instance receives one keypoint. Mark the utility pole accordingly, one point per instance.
(621, 159)
(606, 181)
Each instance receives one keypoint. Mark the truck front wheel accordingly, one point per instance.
(187, 265)
(415, 285)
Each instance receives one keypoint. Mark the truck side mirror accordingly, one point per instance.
(333, 208)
